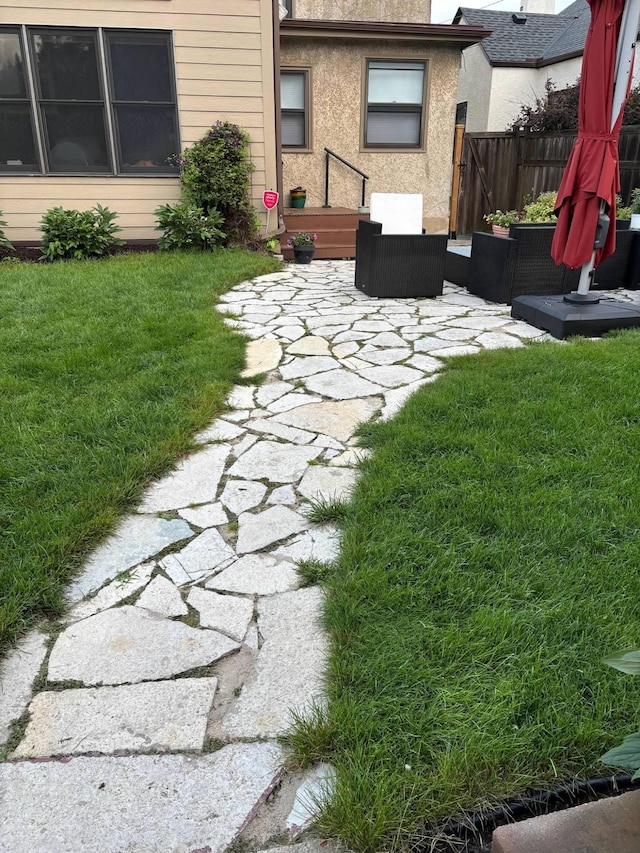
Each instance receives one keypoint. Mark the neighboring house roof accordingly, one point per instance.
(540, 40)
(463, 36)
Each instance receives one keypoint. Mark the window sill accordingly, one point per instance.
(297, 150)
(384, 149)
(9, 174)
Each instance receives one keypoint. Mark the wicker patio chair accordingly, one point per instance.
(398, 265)
(622, 268)
(502, 268)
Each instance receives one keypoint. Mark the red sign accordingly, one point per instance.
(270, 199)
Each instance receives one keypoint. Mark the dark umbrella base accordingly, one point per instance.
(562, 319)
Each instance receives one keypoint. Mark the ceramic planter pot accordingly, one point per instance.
(304, 254)
(635, 221)
(298, 199)
(500, 230)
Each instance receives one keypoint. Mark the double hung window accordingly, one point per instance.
(294, 102)
(395, 104)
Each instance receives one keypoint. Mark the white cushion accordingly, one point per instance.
(399, 213)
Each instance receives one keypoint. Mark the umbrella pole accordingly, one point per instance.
(624, 69)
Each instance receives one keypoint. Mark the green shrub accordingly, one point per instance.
(622, 212)
(78, 234)
(187, 226)
(4, 243)
(635, 200)
(216, 175)
(541, 209)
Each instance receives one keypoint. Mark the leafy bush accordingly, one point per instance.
(187, 226)
(557, 109)
(216, 175)
(4, 243)
(502, 218)
(541, 209)
(78, 234)
(635, 200)
(627, 754)
(622, 212)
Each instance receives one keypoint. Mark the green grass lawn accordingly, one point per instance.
(107, 368)
(491, 558)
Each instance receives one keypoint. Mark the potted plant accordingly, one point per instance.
(298, 197)
(635, 209)
(501, 220)
(303, 245)
(623, 212)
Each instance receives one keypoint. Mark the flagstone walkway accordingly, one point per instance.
(160, 698)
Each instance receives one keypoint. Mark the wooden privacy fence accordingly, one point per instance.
(499, 171)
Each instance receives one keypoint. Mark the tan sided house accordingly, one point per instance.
(97, 95)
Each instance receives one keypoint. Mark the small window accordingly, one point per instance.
(294, 102)
(461, 113)
(17, 143)
(395, 104)
(288, 4)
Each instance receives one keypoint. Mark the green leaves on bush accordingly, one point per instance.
(627, 754)
(216, 175)
(78, 234)
(187, 226)
(4, 243)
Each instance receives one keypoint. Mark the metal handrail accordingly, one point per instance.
(365, 178)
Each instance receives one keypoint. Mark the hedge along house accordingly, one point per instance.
(377, 88)
(97, 95)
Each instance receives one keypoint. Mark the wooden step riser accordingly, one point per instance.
(338, 237)
(318, 222)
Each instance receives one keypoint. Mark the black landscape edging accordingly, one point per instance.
(472, 833)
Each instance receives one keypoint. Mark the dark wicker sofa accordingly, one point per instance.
(502, 268)
(399, 265)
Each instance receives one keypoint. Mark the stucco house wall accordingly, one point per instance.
(407, 11)
(224, 68)
(474, 87)
(337, 84)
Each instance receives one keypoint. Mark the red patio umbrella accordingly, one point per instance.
(592, 176)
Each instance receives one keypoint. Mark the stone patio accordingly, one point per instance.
(188, 642)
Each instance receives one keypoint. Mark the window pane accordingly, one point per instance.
(140, 67)
(76, 138)
(396, 83)
(147, 136)
(292, 91)
(393, 128)
(293, 127)
(17, 149)
(67, 66)
(12, 83)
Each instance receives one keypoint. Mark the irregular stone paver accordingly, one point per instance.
(262, 356)
(321, 543)
(164, 715)
(136, 539)
(226, 613)
(327, 484)
(128, 645)
(316, 789)
(241, 495)
(140, 804)
(262, 529)
(282, 495)
(335, 419)
(391, 376)
(163, 597)
(17, 673)
(342, 385)
(219, 430)
(113, 593)
(206, 552)
(310, 345)
(257, 574)
(309, 366)
(270, 460)
(208, 515)
(290, 667)
(194, 481)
